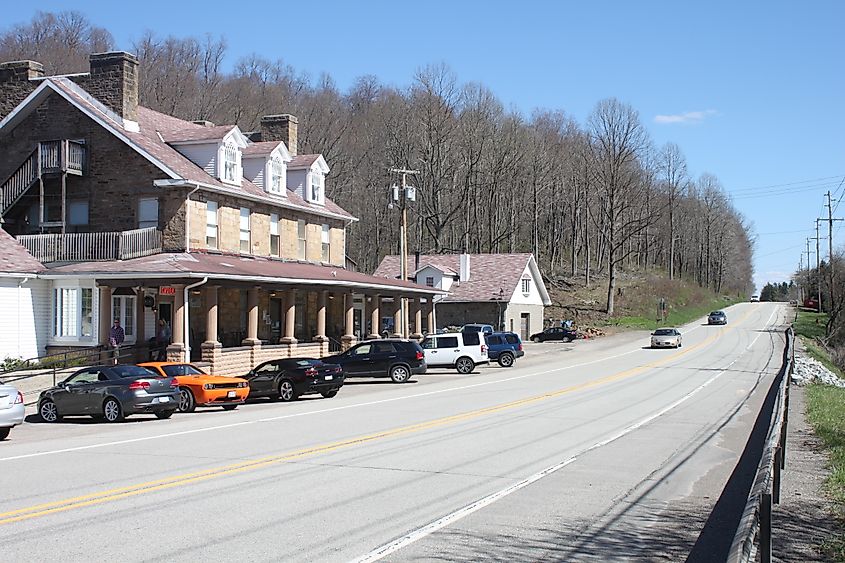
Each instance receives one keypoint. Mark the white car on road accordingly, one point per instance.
(666, 338)
(12, 410)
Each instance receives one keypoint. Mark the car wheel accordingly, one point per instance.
(464, 365)
(229, 407)
(187, 403)
(680, 344)
(4, 433)
(400, 374)
(536, 339)
(567, 340)
(287, 392)
(112, 410)
(506, 360)
(163, 415)
(329, 394)
(48, 411)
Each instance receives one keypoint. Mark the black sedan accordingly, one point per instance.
(287, 380)
(555, 333)
(110, 393)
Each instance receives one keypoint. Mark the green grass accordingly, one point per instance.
(677, 316)
(826, 412)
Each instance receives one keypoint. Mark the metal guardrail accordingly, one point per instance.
(753, 538)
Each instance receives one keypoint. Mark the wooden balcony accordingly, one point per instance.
(92, 247)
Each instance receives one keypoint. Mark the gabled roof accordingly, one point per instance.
(147, 137)
(198, 133)
(266, 148)
(15, 259)
(307, 161)
(489, 273)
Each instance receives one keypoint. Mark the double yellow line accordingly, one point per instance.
(112, 495)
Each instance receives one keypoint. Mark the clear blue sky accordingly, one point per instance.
(752, 91)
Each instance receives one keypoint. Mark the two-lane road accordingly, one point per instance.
(592, 451)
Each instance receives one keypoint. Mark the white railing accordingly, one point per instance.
(90, 247)
(49, 156)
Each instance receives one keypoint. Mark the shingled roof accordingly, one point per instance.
(489, 273)
(15, 259)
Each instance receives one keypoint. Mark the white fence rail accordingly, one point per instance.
(85, 247)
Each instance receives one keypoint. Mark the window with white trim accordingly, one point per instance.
(277, 175)
(326, 249)
(230, 164)
(211, 224)
(274, 234)
(300, 235)
(429, 281)
(73, 312)
(123, 308)
(147, 212)
(245, 235)
(316, 187)
(526, 285)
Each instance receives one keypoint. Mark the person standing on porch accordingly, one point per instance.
(116, 337)
(163, 337)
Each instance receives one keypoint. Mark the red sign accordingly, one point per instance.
(166, 290)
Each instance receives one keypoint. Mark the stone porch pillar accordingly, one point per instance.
(290, 317)
(252, 318)
(322, 303)
(211, 348)
(375, 317)
(348, 338)
(397, 317)
(105, 314)
(431, 327)
(176, 350)
(417, 319)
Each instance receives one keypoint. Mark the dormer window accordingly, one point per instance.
(316, 188)
(231, 164)
(277, 175)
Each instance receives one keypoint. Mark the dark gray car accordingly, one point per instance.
(110, 393)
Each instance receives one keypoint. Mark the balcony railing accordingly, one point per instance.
(91, 247)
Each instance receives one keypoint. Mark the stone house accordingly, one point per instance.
(503, 290)
(136, 215)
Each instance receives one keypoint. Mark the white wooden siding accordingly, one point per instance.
(533, 297)
(203, 155)
(296, 181)
(254, 169)
(25, 322)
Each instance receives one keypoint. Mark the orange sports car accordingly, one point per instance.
(197, 388)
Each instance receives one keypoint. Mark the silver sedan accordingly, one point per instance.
(666, 338)
(12, 410)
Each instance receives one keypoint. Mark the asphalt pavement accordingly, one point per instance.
(591, 451)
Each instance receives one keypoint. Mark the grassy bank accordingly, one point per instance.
(826, 413)
(678, 315)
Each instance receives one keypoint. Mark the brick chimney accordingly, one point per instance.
(280, 128)
(114, 81)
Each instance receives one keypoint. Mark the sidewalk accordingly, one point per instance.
(802, 521)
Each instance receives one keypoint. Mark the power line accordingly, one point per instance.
(781, 192)
(831, 178)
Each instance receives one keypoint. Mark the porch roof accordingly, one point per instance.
(233, 268)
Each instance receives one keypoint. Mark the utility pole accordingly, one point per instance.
(818, 269)
(403, 245)
(830, 221)
(808, 252)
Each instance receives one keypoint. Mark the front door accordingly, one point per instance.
(525, 325)
(76, 397)
(360, 360)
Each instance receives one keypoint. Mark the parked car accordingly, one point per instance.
(198, 389)
(459, 350)
(290, 378)
(717, 318)
(504, 347)
(12, 410)
(390, 357)
(486, 329)
(555, 333)
(110, 393)
(666, 338)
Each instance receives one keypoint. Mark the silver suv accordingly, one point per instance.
(460, 350)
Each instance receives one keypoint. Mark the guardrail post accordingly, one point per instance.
(766, 528)
(776, 467)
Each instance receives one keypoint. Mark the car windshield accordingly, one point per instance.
(132, 371)
(664, 332)
(716, 314)
(180, 369)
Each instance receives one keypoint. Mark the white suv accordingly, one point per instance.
(460, 350)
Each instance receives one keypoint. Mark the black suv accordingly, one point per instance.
(504, 347)
(393, 358)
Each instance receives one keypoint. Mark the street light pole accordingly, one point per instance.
(403, 244)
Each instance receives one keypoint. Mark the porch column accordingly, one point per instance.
(431, 328)
(397, 317)
(417, 319)
(211, 348)
(176, 350)
(375, 317)
(290, 317)
(252, 318)
(322, 300)
(105, 314)
(348, 338)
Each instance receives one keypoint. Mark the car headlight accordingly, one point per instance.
(208, 386)
(242, 384)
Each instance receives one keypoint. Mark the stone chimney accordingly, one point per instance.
(20, 71)
(17, 82)
(280, 128)
(114, 81)
(464, 273)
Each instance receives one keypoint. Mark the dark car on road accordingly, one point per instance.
(555, 333)
(504, 347)
(717, 318)
(110, 393)
(288, 379)
(391, 357)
